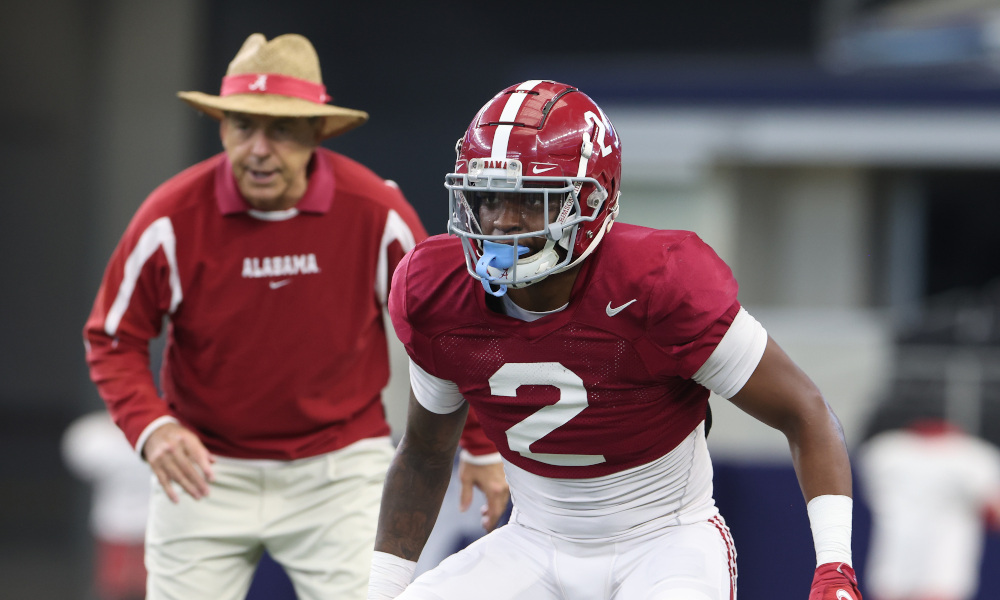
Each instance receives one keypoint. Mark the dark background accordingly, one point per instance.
(422, 70)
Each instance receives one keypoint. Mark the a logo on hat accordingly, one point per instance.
(279, 78)
(260, 84)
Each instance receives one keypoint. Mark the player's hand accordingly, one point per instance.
(176, 455)
(834, 581)
(491, 480)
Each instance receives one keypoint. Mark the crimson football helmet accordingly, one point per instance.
(543, 150)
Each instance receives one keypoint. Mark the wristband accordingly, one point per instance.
(830, 520)
(390, 574)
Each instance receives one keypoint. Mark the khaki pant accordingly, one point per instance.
(316, 517)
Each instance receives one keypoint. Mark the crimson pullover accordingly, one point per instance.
(275, 346)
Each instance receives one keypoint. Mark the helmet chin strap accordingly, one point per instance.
(609, 220)
(543, 260)
(565, 242)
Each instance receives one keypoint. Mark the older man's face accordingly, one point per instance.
(269, 156)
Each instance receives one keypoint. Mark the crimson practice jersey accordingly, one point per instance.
(596, 389)
(276, 346)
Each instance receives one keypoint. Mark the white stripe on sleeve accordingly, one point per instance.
(160, 233)
(437, 395)
(735, 358)
(396, 229)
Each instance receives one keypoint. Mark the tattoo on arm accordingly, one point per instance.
(417, 481)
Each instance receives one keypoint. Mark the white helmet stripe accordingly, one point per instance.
(509, 113)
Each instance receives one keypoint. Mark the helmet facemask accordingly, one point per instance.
(542, 215)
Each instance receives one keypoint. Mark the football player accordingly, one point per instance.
(588, 350)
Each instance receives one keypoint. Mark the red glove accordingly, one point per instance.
(991, 514)
(834, 581)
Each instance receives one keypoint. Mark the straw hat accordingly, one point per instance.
(279, 78)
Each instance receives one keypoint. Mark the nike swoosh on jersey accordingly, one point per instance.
(614, 311)
(842, 595)
(277, 284)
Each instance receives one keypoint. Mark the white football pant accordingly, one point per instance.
(684, 562)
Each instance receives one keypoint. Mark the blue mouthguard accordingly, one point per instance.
(498, 256)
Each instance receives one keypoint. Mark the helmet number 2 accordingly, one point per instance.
(572, 401)
(599, 123)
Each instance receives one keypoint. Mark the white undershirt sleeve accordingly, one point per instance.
(441, 396)
(735, 358)
(433, 393)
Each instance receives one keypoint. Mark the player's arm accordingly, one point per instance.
(414, 490)
(417, 480)
(781, 395)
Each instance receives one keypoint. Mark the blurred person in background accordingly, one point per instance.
(588, 353)
(271, 264)
(933, 491)
(95, 451)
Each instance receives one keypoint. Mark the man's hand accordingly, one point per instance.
(175, 454)
(491, 480)
(834, 581)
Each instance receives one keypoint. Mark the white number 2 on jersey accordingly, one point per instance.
(572, 401)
